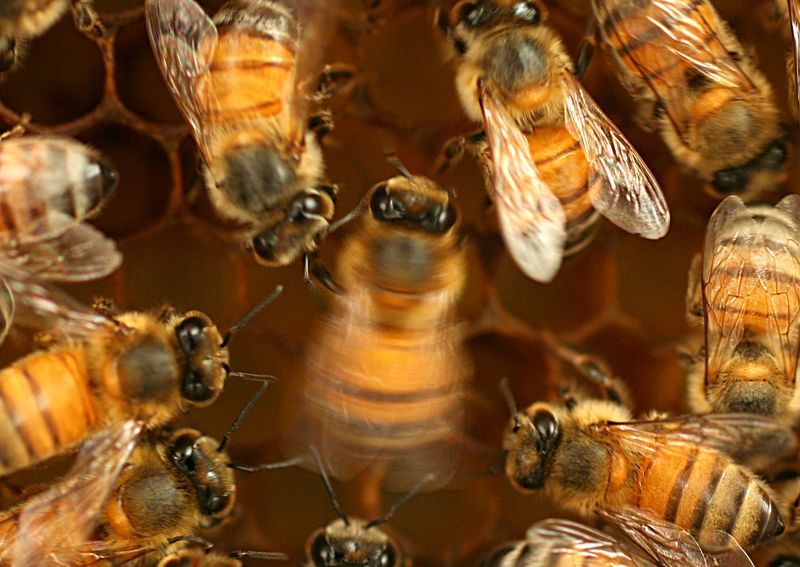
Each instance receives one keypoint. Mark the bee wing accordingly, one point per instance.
(532, 219)
(563, 538)
(184, 40)
(40, 306)
(630, 196)
(66, 514)
(77, 253)
(679, 29)
(31, 192)
(746, 437)
(794, 21)
(746, 271)
(670, 545)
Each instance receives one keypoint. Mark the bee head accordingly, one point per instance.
(305, 217)
(530, 440)
(352, 544)
(197, 458)
(205, 360)
(415, 203)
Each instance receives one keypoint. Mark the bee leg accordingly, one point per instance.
(324, 276)
(320, 124)
(453, 150)
(592, 369)
(104, 306)
(8, 52)
(335, 79)
(17, 130)
(86, 19)
(586, 49)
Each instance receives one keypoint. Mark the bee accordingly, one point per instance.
(238, 80)
(746, 294)
(351, 542)
(101, 371)
(670, 484)
(695, 83)
(123, 503)
(48, 186)
(195, 557)
(27, 19)
(384, 376)
(554, 159)
(554, 543)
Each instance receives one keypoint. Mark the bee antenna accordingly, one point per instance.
(329, 486)
(268, 466)
(226, 338)
(270, 555)
(390, 154)
(427, 479)
(512, 404)
(265, 382)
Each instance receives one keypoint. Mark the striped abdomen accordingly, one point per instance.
(564, 168)
(45, 180)
(633, 29)
(46, 407)
(755, 267)
(385, 376)
(707, 493)
(252, 72)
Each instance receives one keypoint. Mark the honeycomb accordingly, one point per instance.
(621, 300)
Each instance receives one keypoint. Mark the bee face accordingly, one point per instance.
(530, 442)
(306, 217)
(733, 180)
(197, 457)
(414, 204)
(204, 359)
(255, 171)
(351, 545)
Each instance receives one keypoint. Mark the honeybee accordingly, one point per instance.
(101, 371)
(239, 82)
(747, 297)
(27, 19)
(668, 483)
(554, 159)
(564, 543)
(48, 185)
(697, 85)
(384, 376)
(123, 510)
(351, 542)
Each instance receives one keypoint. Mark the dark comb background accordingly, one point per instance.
(623, 299)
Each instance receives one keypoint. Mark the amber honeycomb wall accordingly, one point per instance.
(622, 300)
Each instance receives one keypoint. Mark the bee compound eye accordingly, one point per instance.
(383, 206)
(312, 204)
(183, 452)
(527, 12)
(321, 551)
(388, 557)
(190, 333)
(265, 245)
(728, 181)
(545, 424)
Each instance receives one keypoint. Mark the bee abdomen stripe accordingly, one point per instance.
(699, 514)
(42, 404)
(679, 487)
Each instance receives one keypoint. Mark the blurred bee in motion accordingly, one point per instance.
(27, 19)
(670, 484)
(102, 371)
(240, 82)
(554, 159)
(695, 83)
(554, 543)
(746, 295)
(123, 510)
(48, 186)
(384, 377)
